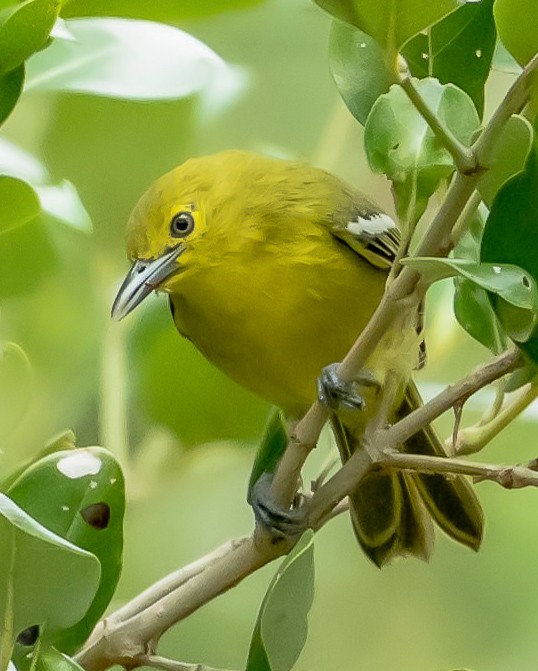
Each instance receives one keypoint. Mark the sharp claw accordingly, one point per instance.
(334, 393)
(280, 523)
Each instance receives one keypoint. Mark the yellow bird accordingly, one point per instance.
(272, 269)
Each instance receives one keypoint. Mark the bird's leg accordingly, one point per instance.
(335, 393)
(281, 523)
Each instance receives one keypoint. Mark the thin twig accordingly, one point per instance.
(157, 662)
(456, 393)
(510, 477)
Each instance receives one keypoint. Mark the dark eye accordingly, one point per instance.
(182, 224)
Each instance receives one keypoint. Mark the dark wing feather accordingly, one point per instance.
(372, 234)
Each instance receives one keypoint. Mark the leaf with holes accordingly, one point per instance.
(44, 579)
(65, 440)
(281, 628)
(458, 50)
(391, 24)
(513, 289)
(79, 494)
(358, 67)
(400, 144)
(511, 237)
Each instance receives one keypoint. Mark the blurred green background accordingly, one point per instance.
(185, 434)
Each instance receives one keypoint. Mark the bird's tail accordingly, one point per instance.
(392, 512)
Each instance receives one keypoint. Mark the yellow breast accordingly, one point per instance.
(272, 316)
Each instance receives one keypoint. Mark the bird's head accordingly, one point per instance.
(163, 231)
(220, 207)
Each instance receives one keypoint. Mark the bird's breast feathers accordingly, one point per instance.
(272, 320)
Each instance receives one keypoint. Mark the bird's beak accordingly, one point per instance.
(142, 279)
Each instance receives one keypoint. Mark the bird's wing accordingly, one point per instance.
(372, 234)
(376, 237)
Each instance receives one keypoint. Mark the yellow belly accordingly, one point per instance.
(272, 324)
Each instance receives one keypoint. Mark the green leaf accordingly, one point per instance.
(514, 290)
(391, 24)
(458, 50)
(171, 11)
(11, 84)
(62, 441)
(40, 254)
(400, 143)
(474, 312)
(60, 201)
(137, 60)
(513, 284)
(472, 307)
(522, 376)
(281, 628)
(358, 67)
(271, 449)
(511, 237)
(517, 24)
(18, 203)
(24, 29)
(79, 494)
(503, 61)
(44, 658)
(44, 579)
(15, 386)
(63, 203)
(508, 157)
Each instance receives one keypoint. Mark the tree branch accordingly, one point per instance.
(455, 394)
(436, 240)
(124, 637)
(384, 442)
(121, 641)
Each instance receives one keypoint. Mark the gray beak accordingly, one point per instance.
(142, 279)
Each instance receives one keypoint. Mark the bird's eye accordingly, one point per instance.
(182, 224)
